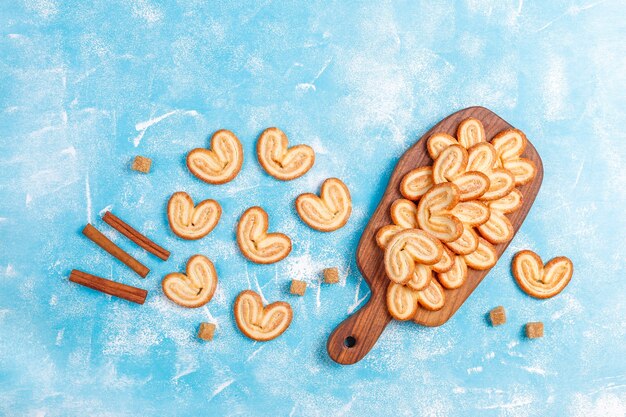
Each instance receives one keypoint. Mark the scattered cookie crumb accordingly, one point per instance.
(331, 275)
(497, 316)
(534, 330)
(297, 287)
(206, 331)
(142, 164)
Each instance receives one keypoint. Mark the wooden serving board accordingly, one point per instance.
(356, 335)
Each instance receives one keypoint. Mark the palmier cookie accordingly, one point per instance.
(258, 322)
(280, 161)
(541, 281)
(255, 243)
(432, 297)
(451, 166)
(471, 213)
(482, 157)
(483, 258)
(466, 243)
(498, 229)
(469, 133)
(509, 145)
(192, 222)
(421, 276)
(509, 203)
(445, 263)
(456, 276)
(385, 233)
(416, 183)
(196, 287)
(219, 164)
(401, 301)
(330, 211)
(438, 142)
(404, 215)
(433, 212)
(403, 212)
(408, 248)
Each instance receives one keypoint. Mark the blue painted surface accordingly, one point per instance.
(85, 86)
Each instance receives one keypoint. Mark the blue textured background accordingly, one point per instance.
(85, 86)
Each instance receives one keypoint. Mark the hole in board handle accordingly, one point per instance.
(349, 342)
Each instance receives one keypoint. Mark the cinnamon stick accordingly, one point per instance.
(136, 237)
(116, 289)
(101, 240)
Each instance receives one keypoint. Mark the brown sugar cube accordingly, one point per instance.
(534, 330)
(297, 287)
(142, 164)
(206, 331)
(331, 276)
(497, 316)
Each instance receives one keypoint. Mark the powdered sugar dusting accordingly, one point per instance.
(359, 83)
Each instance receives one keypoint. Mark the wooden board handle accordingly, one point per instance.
(357, 334)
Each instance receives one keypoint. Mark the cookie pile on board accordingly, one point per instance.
(452, 214)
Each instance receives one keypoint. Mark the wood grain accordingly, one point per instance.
(116, 289)
(356, 335)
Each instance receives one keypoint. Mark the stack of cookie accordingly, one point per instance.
(452, 214)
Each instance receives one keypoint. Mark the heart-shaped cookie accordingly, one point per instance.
(438, 142)
(192, 222)
(432, 297)
(466, 243)
(469, 133)
(404, 216)
(483, 258)
(258, 322)
(498, 229)
(509, 145)
(446, 262)
(219, 164)
(408, 248)
(280, 161)
(401, 301)
(471, 213)
(509, 203)
(255, 243)
(328, 212)
(456, 276)
(421, 276)
(451, 166)
(541, 281)
(404, 213)
(385, 234)
(416, 183)
(433, 212)
(196, 287)
(483, 158)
